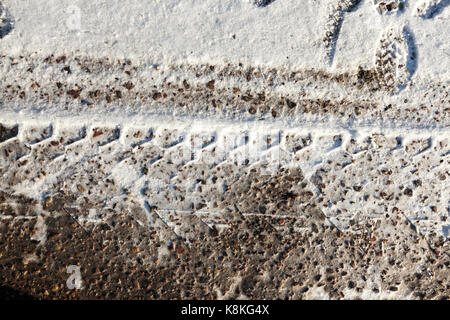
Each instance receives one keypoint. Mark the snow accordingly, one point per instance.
(286, 33)
(163, 169)
(161, 37)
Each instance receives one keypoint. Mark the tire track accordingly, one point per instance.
(190, 177)
(227, 91)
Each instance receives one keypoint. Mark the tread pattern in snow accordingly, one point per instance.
(185, 175)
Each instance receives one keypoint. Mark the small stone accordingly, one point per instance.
(156, 96)
(74, 93)
(417, 183)
(408, 192)
(210, 85)
(66, 69)
(393, 288)
(291, 104)
(128, 85)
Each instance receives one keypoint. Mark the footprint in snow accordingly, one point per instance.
(396, 54)
(6, 21)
